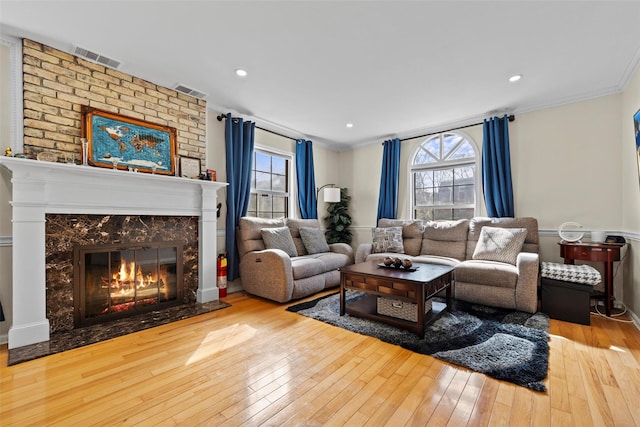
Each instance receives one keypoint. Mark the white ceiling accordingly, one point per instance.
(392, 68)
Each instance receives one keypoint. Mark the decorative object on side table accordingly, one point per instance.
(115, 140)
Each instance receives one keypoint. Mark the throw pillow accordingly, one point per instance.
(388, 239)
(313, 240)
(500, 244)
(279, 238)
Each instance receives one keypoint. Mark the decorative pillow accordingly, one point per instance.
(500, 244)
(314, 240)
(279, 238)
(387, 239)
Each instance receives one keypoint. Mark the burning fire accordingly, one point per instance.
(126, 275)
(130, 281)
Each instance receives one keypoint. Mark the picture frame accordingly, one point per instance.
(121, 142)
(636, 127)
(212, 175)
(189, 167)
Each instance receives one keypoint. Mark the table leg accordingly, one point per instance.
(342, 294)
(420, 305)
(608, 287)
(449, 293)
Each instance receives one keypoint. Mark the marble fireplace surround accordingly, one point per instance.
(40, 188)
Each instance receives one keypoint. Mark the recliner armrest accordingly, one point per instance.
(268, 274)
(363, 251)
(528, 265)
(342, 248)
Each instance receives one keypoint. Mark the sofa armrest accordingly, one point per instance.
(363, 251)
(528, 265)
(267, 274)
(342, 248)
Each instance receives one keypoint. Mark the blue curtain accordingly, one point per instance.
(388, 198)
(496, 168)
(306, 179)
(239, 141)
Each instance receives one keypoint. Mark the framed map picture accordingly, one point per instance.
(122, 142)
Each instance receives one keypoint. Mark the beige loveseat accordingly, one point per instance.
(479, 277)
(281, 276)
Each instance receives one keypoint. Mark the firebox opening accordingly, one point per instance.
(113, 281)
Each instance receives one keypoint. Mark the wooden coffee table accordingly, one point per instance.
(413, 287)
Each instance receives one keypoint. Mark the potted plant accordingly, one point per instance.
(338, 220)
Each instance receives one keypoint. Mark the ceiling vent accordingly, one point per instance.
(95, 57)
(188, 91)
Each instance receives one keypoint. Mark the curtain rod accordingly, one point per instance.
(222, 116)
(511, 118)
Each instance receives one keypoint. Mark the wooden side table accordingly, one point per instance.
(597, 252)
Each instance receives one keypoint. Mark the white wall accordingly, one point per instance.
(5, 209)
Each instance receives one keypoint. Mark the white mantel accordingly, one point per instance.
(39, 188)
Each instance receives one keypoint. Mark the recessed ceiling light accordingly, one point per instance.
(515, 78)
(349, 125)
(241, 73)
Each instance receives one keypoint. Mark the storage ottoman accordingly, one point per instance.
(566, 291)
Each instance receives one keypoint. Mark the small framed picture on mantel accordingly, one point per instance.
(189, 167)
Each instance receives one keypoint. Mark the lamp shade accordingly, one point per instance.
(331, 195)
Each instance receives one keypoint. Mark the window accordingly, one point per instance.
(269, 185)
(443, 178)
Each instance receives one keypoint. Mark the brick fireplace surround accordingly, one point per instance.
(41, 188)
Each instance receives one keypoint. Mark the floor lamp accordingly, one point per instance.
(331, 195)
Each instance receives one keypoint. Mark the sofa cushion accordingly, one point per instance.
(435, 259)
(306, 266)
(446, 239)
(499, 244)
(279, 238)
(411, 233)
(387, 239)
(314, 240)
(332, 260)
(489, 273)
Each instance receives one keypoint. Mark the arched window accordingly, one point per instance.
(443, 177)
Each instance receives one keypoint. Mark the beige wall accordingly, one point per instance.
(630, 187)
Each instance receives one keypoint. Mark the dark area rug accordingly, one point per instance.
(67, 340)
(504, 344)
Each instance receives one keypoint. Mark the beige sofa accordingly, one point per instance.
(484, 281)
(278, 276)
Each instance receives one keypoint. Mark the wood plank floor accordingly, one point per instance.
(257, 364)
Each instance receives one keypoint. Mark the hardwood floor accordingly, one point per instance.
(257, 364)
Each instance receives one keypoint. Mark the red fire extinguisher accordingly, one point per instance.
(222, 275)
